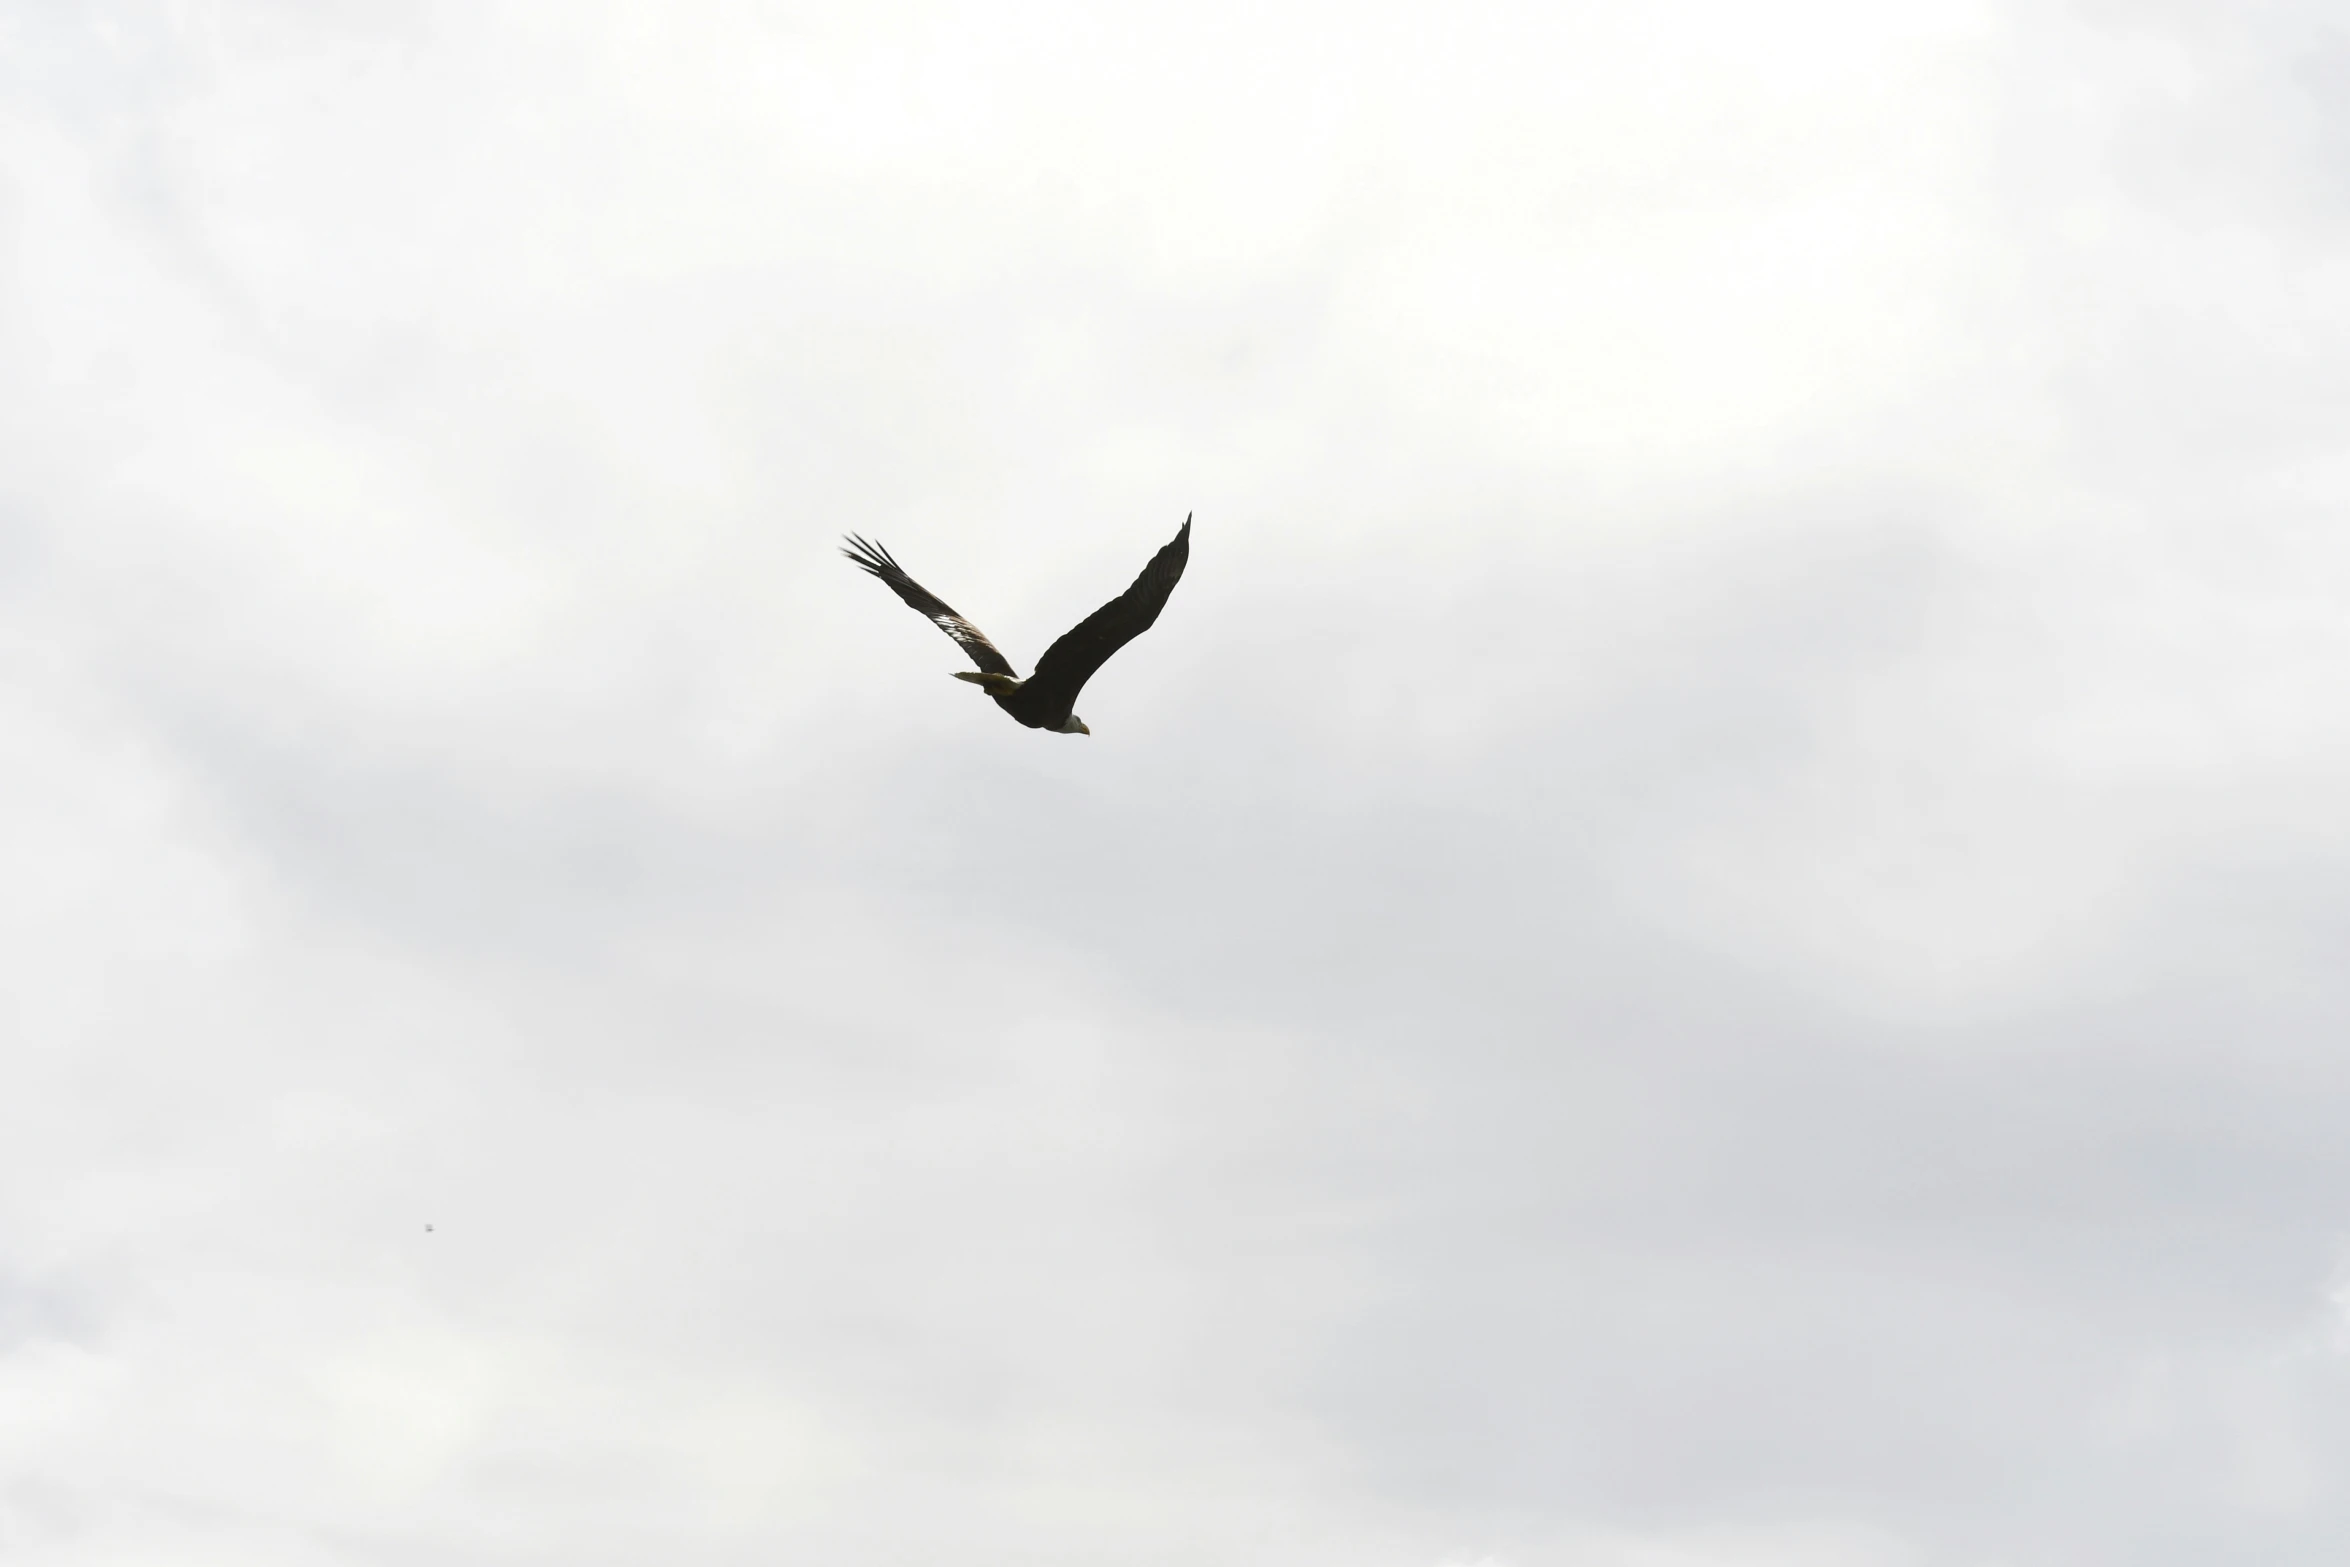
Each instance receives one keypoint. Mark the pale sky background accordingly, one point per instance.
(1711, 934)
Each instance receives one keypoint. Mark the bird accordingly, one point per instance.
(1046, 699)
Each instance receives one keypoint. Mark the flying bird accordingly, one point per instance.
(1046, 699)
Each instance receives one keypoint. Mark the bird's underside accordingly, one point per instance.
(1047, 698)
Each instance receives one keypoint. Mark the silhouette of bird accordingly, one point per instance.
(1046, 699)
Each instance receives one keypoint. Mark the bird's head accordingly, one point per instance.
(1075, 726)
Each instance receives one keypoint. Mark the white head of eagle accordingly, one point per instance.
(1046, 699)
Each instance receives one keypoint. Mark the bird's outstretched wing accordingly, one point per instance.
(1070, 662)
(873, 558)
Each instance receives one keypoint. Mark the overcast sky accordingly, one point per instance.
(1710, 934)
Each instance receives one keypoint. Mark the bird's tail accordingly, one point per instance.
(997, 685)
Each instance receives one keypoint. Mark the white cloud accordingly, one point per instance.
(1707, 937)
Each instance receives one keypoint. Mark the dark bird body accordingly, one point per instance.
(1046, 699)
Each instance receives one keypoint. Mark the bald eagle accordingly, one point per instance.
(1045, 699)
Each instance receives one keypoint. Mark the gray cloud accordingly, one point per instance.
(1706, 937)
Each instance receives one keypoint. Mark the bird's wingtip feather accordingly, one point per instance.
(867, 553)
